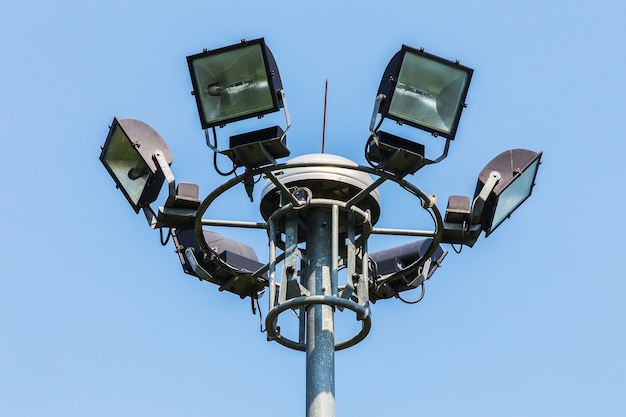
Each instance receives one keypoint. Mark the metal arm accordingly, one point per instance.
(479, 201)
(170, 215)
(377, 103)
(287, 118)
(164, 168)
(169, 177)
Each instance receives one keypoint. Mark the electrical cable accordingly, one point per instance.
(167, 238)
(254, 310)
(381, 164)
(462, 240)
(214, 148)
(399, 297)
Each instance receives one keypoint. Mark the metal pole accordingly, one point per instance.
(320, 341)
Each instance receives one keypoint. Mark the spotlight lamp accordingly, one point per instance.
(423, 91)
(238, 82)
(503, 185)
(235, 82)
(130, 156)
(517, 170)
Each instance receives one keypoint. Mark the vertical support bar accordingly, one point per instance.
(302, 325)
(272, 268)
(320, 343)
(289, 287)
(362, 286)
(291, 241)
(334, 261)
(350, 256)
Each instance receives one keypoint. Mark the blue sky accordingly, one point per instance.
(98, 319)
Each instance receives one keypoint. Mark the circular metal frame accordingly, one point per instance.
(362, 312)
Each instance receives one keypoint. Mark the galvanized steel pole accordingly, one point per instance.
(320, 332)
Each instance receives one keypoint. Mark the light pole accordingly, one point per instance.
(318, 211)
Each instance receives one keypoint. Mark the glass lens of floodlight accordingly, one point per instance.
(514, 195)
(232, 85)
(428, 93)
(124, 162)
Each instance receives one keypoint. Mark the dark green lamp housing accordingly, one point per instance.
(235, 83)
(424, 91)
(517, 169)
(128, 155)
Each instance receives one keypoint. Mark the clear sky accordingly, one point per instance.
(98, 319)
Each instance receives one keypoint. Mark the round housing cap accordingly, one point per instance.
(325, 179)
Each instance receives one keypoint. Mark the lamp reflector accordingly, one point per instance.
(425, 91)
(234, 83)
(518, 170)
(127, 156)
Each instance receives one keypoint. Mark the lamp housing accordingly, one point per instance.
(458, 210)
(457, 223)
(392, 260)
(235, 82)
(424, 91)
(518, 170)
(258, 148)
(239, 256)
(180, 208)
(326, 176)
(394, 154)
(128, 155)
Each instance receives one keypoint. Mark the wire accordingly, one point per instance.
(224, 174)
(214, 149)
(381, 164)
(462, 240)
(413, 301)
(167, 238)
(324, 124)
(254, 310)
(398, 296)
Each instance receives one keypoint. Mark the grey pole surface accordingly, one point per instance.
(320, 333)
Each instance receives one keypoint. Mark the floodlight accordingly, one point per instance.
(390, 261)
(128, 154)
(235, 83)
(517, 169)
(424, 91)
(240, 257)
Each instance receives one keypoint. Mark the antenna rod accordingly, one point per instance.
(324, 125)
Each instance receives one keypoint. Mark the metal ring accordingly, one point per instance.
(362, 312)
